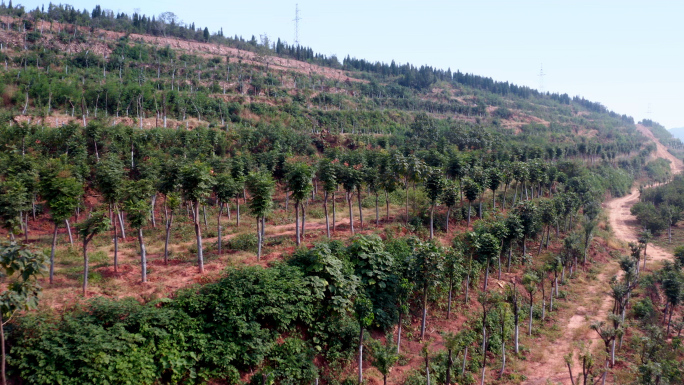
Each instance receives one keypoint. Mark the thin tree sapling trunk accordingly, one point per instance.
(198, 234)
(52, 253)
(168, 236)
(143, 255)
(325, 210)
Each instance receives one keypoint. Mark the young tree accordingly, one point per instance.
(61, 192)
(673, 287)
(261, 187)
(225, 188)
(327, 173)
(196, 183)
(385, 356)
(453, 270)
(137, 205)
(109, 176)
(363, 310)
(528, 213)
(488, 247)
(530, 281)
(21, 267)
(512, 297)
(98, 223)
(472, 191)
(388, 180)
(427, 265)
(495, 177)
(672, 215)
(449, 198)
(434, 186)
(645, 237)
(588, 227)
(350, 178)
(298, 176)
(172, 203)
(13, 201)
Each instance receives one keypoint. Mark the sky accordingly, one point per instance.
(628, 55)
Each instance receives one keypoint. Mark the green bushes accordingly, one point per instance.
(243, 242)
(207, 333)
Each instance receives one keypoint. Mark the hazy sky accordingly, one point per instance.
(627, 55)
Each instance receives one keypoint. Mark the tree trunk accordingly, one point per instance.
(407, 201)
(154, 201)
(325, 210)
(303, 207)
(486, 281)
(334, 212)
(387, 204)
(377, 211)
(297, 234)
(237, 211)
(422, 325)
(168, 235)
(71, 238)
(258, 240)
(204, 214)
(351, 214)
(447, 219)
(85, 267)
(52, 253)
(121, 224)
(361, 357)
(358, 194)
(469, 205)
(401, 316)
(450, 362)
(143, 255)
(218, 227)
(503, 352)
(645, 246)
(484, 354)
(198, 235)
(531, 310)
(116, 240)
(465, 360)
(432, 215)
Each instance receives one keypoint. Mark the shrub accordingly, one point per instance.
(643, 309)
(243, 242)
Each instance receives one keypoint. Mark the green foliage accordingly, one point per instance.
(298, 176)
(97, 223)
(21, 267)
(196, 181)
(261, 187)
(13, 200)
(244, 242)
(384, 355)
(60, 190)
(109, 175)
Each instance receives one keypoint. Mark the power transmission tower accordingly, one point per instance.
(541, 78)
(296, 21)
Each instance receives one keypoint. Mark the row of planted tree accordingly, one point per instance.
(129, 194)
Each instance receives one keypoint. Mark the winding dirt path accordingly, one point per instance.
(552, 366)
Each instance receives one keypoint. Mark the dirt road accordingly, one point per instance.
(552, 367)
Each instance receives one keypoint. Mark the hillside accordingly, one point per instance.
(221, 210)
